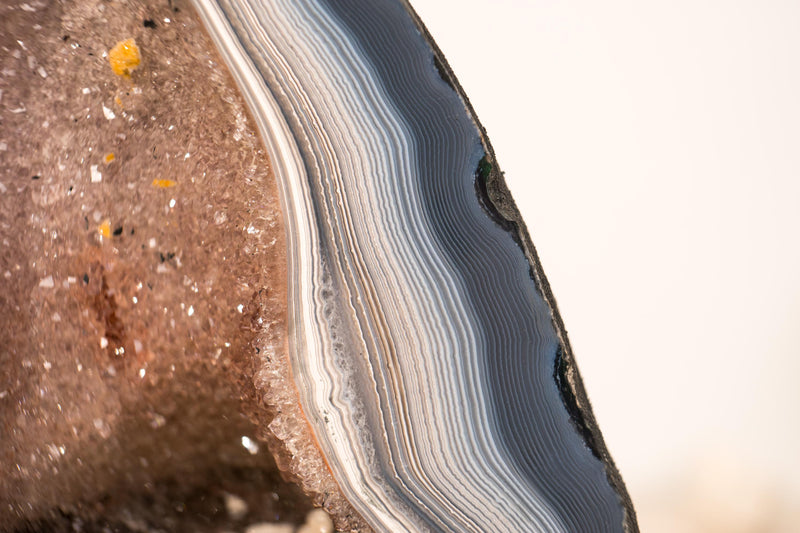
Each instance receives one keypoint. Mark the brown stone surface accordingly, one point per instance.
(142, 326)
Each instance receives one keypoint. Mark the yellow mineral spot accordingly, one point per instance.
(109, 158)
(124, 57)
(118, 101)
(104, 229)
(163, 184)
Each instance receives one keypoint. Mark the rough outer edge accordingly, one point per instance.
(502, 202)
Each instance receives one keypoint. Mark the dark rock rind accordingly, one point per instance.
(561, 374)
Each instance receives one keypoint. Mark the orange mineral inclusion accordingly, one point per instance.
(104, 229)
(124, 57)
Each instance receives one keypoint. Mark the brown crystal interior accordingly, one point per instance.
(142, 285)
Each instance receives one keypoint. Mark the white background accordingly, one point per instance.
(654, 150)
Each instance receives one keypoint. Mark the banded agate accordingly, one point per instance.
(427, 351)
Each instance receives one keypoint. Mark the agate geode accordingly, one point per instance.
(227, 301)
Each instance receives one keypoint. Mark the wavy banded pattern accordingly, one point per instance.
(423, 351)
